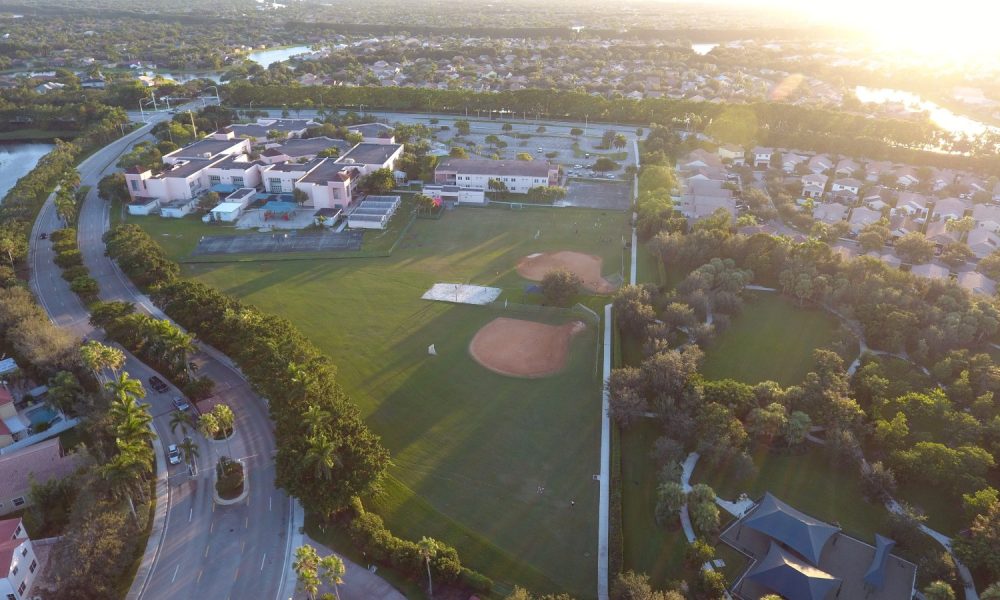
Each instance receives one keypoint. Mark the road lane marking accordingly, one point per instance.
(211, 528)
(200, 573)
(178, 568)
(206, 551)
(268, 504)
(237, 575)
(246, 524)
(261, 562)
(190, 515)
(243, 545)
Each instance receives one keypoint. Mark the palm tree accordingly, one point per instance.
(428, 547)
(322, 454)
(124, 387)
(618, 141)
(305, 566)
(97, 357)
(191, 452)
(333, 571)
(126, 469)
(208, 425)
(315, 419)
(183, 420)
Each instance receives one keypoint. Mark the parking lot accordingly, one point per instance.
(291, 241)
(597, 194)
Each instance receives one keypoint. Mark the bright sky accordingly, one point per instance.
(956, 29)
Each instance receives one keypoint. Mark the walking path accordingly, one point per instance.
(605, 494)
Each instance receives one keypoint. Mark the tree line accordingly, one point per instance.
(327, 457)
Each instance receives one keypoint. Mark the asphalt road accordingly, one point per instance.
(207, 550)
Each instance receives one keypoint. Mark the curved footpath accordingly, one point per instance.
(196, 549)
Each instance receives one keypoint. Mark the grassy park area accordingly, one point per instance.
(808, 482)
(772, 339)
(488, 463)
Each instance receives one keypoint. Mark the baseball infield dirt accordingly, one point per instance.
(586, 266)
(520, 348)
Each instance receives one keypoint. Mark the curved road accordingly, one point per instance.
(206, 550)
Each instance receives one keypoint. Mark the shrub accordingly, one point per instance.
(72, 273)
(475, 581)
(84, 285)
(559, 287)
(69, 258)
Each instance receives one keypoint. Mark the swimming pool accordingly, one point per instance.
(41, 415)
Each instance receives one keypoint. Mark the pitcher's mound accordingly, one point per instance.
(586, 266)
(523, 348)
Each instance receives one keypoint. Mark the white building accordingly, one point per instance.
(518, 175)
(455, 194)
(372, 157)
(19, 566)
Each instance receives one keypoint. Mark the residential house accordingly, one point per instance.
(830, 213)
(875, 169)
(983, 242)
(847, 168)
(821, 163)
(518, 176)
(903, 224)
(19, 566)
(942, 178)
(732, 152)
(950, 208)
(846, 184)
(937, 232)
(913, 204)
(813, 185)
(862, 216)
(39, 462)
(790, 160)
(887, 257)
(7, 413)
(762, 157)
(906, 176)
(845, 252)
(930, 271)
(977, 283)
(698, 159)
(987, 216)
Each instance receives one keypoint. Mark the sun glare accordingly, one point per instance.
(957, 30)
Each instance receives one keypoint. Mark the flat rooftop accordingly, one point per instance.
(241, 194)
(370, 154)
(292, 167)
(372, 130)
(206, 148)
(262, 126)
(184, 167)
(326, 170)
(473, 166)
(311, 146)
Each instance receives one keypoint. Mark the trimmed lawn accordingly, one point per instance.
(808, 482)
(772, 339)
(485, 462)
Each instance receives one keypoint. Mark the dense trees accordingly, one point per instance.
(559, 287)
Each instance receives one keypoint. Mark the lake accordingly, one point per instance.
(17, 159)
(940, 116)
(703, 49)
(266, 58)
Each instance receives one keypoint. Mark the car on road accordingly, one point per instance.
(157, 384)
(173, 454)
(43, 236)
(181, 403)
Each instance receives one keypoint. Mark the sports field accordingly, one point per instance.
(486, 462)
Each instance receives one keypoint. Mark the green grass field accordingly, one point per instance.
(809, 483)
(470, 448)
(772, 339)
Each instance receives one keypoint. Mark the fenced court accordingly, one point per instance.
(278, 242)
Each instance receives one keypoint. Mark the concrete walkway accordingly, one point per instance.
(605, 493)
(359, 582)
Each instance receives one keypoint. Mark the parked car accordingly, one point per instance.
(181, 403)
(173, 454)
(157, 384)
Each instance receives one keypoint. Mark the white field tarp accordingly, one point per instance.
(461, 293)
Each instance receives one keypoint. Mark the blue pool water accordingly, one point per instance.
(42, 415)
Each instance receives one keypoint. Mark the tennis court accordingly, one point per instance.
(279, 241)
